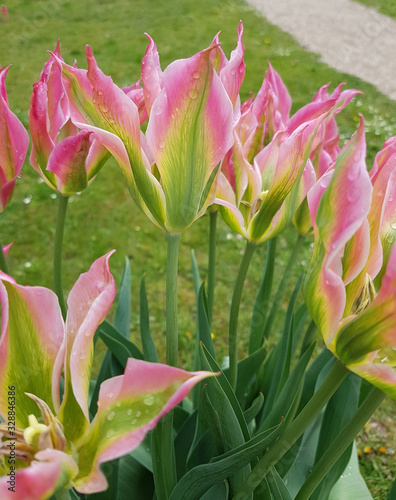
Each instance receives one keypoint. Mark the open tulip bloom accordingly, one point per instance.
(352, 211)
(261, 168)
(50, 442)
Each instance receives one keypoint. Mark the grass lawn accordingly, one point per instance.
(387, 7)
(104, 216)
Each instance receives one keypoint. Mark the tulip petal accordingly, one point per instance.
(380, 375)
(14, 141)
(189, 131)
(341, 210)
(98, 105)
(151, 75)
(128, 407)
(88, 303)
(292, 155)
(67, 162)
(375, 327)
(27, 334)
(233, 72)
(50, 471)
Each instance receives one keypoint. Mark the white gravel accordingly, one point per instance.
(347, 35)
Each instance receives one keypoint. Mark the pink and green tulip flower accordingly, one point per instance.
(352, 211)
(48, 443)
(67, 160)
(14, 142)
(171, 171)
(266, 193)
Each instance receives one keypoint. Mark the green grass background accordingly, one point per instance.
(104, 217)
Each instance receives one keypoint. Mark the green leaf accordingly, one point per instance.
(199, 479)
(351, 486)
(223, 383)
(254, 409)
(110, 470)
(289, 392)
(203, 322)
(118, 344)
(218, 491)
(248, 370)
(134, 481)
(122, 317)
(149, 349)
(282, 354)
(233, 427)
(183, 443)
(277, 487)
(339, 410)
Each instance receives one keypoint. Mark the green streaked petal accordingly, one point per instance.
(31, 337)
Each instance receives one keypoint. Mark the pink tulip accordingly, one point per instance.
(67, 448)
(66, 159)
(14, 141)
(189, 131)
(353, 213)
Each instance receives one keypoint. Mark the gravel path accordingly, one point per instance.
(349, 37)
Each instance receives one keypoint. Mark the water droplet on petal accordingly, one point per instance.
(111, 415)
(353, 174)
(129, 412)
(138, 414)
(193, 94)
(353, 194)
(149, 400)
(196, 75)
(110, 394)
(100, 92)
(393, 225)
(110, 433)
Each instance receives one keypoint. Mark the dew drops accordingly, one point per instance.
(118, 404)
(157, 110)
(100, 92)
(196, 75)
(110, 433)
(129, 412)
(110, 416)
(138, 414)
(193, 94)
(384, 360)
(134, 421)
(82, 356)
(353, 195)
(393, 225)
(161, 145)
(149, 400)
(21, 157)
(110, 394)
(353, 174)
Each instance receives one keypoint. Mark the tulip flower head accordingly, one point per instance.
(350, 216)
(14, 141)
(51, 441)
(171, 171)
(66, 159)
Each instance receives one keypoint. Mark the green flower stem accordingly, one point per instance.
(234, 312)
(293, 431)
(171, 298)
(341, 443)
(60, 228)
(282, 285)
(211, 263)
(3, 261)
(164, 452)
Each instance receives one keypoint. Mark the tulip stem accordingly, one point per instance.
(60, 228)
(296, 428)
(341, 443)
(211, 264)
(3, 261)
(164, 452)
(282, 285)
(171, 298)
(234, 312)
